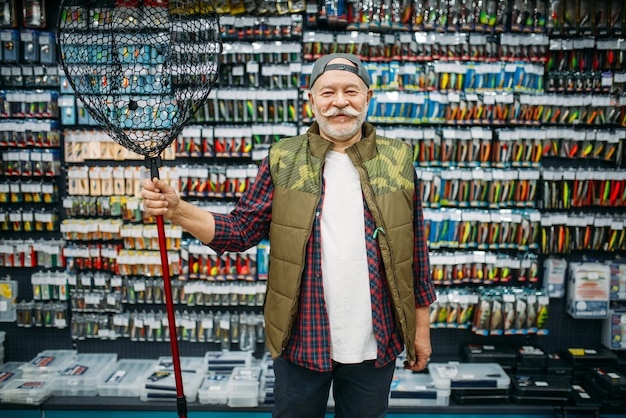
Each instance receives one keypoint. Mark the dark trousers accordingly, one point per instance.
(360, 390)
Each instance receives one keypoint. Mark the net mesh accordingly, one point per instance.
(142, 68)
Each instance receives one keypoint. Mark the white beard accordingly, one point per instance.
(345, 131)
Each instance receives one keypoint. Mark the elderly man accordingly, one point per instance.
(348, 284)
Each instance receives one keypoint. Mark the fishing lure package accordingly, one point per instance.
(554, 271)
(511, 311)
(588, 290)
(492, 311)
(453, 308)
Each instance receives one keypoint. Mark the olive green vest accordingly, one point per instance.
(385, 167)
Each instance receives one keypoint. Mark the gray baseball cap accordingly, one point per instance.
(322, 65)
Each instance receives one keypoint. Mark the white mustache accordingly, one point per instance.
(335, 111)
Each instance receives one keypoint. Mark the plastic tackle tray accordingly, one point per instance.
(81, 376)
(416, 389)
(161, 383)
(191, 364)
(266, 392)
(48, 363)
(125, 378)
(32, 391)
(9, 371)
(225, 362)
(246, 376)
(214, 389)
(454, 375)
(243, 387)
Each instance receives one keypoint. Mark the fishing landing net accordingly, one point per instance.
(142, 68)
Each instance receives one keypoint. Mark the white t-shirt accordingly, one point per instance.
(344, 263)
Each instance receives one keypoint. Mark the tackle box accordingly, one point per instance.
(243, 386)
(125, 377)
(455, 376)
(504, 355)
(416, 389)
(582, 359)
(558, 366)
(31, 391)
(609, 378)
(225, 362)
(530, 357)
(581, 397)
(541, 390)
(9, 371)
(48, 363)
(472, 383)
(2, 335)
(266, 392)
(214, 389)
(486, 398)
(81, 375)
(161, 383)
(189, 364)
(609, 402)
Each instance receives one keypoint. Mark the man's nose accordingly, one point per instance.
(341, 100)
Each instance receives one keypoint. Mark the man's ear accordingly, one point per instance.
(311, 101)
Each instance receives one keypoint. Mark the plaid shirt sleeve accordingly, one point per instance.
(423, 284)
(249, 222)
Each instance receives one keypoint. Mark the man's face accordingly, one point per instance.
(340, 101)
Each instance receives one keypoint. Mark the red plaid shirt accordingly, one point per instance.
(309, 345)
